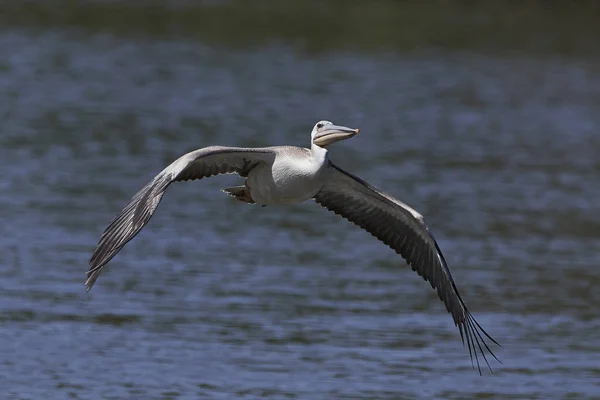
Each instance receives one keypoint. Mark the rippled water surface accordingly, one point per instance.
(217, 299)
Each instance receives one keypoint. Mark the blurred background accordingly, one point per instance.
(484, 116)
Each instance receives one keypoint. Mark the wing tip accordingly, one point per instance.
(92, 275)
(475, 338)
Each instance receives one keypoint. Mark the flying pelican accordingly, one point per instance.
(287, 175)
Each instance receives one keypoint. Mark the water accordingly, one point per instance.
(216, 299)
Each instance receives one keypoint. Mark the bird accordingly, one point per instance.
(281, 175)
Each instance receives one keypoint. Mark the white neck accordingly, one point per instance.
(318, 153)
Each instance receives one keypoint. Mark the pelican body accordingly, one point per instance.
(288, 175)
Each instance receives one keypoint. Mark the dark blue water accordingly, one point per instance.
(217, 299)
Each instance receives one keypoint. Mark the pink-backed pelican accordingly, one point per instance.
(287, 175)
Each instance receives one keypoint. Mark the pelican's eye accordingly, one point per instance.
(319, 125)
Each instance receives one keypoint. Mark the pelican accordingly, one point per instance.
(287, 175)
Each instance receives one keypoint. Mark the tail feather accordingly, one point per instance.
(239, 193)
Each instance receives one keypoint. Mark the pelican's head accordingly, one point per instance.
(325, 132)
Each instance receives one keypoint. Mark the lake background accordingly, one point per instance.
(485, 117)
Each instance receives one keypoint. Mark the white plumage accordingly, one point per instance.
(287, 175)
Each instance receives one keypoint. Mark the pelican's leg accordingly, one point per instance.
(251, 201)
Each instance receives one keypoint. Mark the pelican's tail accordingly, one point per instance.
(240, 193)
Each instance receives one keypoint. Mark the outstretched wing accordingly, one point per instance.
(405, 231)
(198, 164)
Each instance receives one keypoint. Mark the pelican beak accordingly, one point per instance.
(333, 133)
